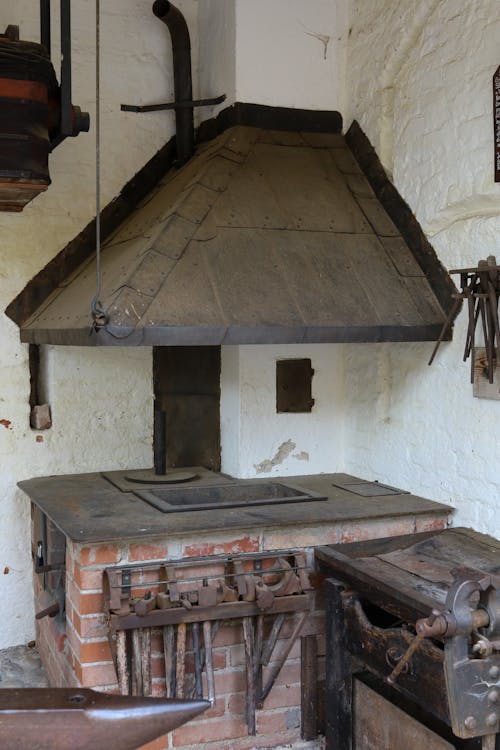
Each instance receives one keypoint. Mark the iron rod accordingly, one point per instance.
(66, 114)
(160, 441)
(172, 105)
(45, 25)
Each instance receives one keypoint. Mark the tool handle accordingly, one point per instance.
(391, 679)
(428, 627)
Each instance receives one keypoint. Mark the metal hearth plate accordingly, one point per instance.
(237, 494)
(131, 480)
(171, 477)
(369, 489)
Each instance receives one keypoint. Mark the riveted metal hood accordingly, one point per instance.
(265, 236)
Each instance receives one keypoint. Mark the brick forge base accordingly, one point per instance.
(77, 653)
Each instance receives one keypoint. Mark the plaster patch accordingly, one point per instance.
(281, 455)
(302, 456)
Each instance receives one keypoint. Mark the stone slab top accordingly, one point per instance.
(92, 508)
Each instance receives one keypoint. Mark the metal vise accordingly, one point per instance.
(470, 627)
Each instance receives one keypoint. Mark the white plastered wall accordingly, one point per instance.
(421, 82)
(101, 399)
(258, 441)
(289, 53)
(292, 53)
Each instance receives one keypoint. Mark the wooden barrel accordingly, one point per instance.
(27, 85)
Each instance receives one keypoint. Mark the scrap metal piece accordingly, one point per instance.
(264, 596)
(207, 595)
(145, 605)
(82, 719)
(172, 586)
(289, 582)
(302, 572)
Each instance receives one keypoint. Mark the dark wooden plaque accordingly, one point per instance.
(496, 121)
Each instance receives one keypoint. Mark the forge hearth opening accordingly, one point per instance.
(294, 385)
(187, 391)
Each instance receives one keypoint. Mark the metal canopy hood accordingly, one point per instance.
(265, 236)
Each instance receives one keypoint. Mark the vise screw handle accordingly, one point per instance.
(438, 624)
(423, 628)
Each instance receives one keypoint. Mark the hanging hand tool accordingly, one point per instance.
(137, 686)
(276, 669)
(207, 639)
(181, 659)
(214, 627)
(146, 661)
(258, 646)
(169, 654)
(480, 286)
(195, 630)
(122, 662)
(269, 645)
(251, 697)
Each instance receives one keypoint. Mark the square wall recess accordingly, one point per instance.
(294, 385)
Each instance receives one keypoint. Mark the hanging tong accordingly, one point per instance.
(480, 288)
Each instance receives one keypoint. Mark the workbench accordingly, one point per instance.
(375, 592)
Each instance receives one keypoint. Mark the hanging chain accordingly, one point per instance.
(99, 315)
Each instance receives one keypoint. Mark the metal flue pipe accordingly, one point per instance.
(183, 88)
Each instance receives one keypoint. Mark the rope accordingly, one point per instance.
(100, 317)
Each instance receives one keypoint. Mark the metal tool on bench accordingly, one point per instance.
(81, 719)
(470, 627)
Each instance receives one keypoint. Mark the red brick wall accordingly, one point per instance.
(80, 654)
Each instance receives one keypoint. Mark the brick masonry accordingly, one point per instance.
(78, 653)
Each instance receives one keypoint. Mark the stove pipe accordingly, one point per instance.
(183, 89)
(160, 442)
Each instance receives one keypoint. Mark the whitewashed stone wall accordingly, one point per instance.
(421, 82)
